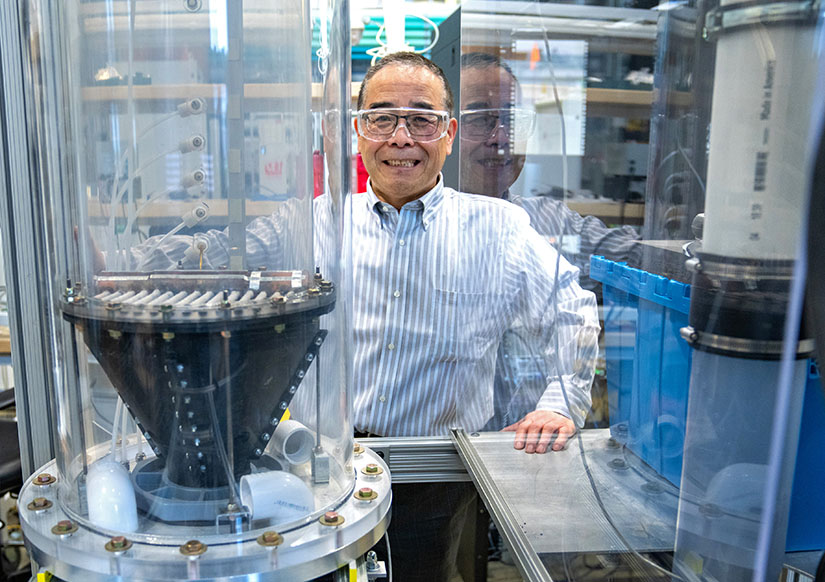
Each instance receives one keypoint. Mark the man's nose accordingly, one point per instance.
(401, 138)
(500, 135)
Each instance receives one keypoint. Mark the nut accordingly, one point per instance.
(331, 518)
(118, 544)
(270, 539)
(193, 548)
(44, 479)
(39, 504)
(372, 470)
(64, 527)
(366, 494)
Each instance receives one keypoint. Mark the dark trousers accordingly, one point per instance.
(425, 529)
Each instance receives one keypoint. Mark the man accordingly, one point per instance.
(439, 276)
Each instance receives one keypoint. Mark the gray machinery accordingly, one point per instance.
(196, 324)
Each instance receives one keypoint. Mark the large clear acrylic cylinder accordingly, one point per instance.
(197, 283)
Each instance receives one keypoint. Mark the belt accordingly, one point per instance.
(363, 434)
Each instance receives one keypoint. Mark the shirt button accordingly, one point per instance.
(382, 398)
(402, 242)
(391, 347)
(396, 293)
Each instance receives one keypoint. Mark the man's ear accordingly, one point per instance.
(358, 135)
(452, 128)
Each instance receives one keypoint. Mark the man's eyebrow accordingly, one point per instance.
(477, 105)
(413, 105)
(488, 105)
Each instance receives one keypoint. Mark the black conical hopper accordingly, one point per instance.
(205, 390)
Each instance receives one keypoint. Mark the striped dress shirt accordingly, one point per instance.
(435, 287)
(552, 218)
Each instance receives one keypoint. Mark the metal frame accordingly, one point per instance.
(24, 253)
(527, 560)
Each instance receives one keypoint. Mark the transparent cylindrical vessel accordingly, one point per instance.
(200, 324)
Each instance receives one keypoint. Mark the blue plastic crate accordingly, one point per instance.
(648, 376)
(648, 364)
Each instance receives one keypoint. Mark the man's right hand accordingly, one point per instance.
(537, 430)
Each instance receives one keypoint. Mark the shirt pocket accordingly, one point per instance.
(458, 324)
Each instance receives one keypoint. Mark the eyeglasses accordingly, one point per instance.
(422, 125)
(481, 124)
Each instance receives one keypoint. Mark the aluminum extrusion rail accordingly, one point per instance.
(419, 459)
(527, 559)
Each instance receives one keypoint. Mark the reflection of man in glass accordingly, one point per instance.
(494, 131)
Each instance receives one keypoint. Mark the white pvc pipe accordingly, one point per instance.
(757, 160)
(111, 497)
(276, 495)
(293, 442)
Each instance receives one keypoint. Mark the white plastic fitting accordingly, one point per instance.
(194, 106)
(193, 178)
(193, 143)
(111, 497)
(198, 214)
(293, 441)
(276, 495)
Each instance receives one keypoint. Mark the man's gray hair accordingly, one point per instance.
(409, 59)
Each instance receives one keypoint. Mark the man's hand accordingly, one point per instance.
(535, 431)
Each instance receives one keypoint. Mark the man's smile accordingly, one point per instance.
(494, 163)
(402, 163)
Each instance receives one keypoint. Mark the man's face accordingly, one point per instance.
(488, 164)
(400, 168)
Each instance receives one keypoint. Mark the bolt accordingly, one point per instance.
(39, 503)
(270, 538)
(372, 561)
(118, 544)
(193, 548)
(44, 479)
(618, 464)
(64, 527)
(331, 518)
(652, 487)
(366, 494)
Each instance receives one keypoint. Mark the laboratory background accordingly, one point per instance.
(177, 389)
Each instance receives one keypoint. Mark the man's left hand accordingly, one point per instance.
(537, 430)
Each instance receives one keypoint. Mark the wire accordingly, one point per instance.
(380, 51)
(554, 301)
(389, 557)
(118, 410)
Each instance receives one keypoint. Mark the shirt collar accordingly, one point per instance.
(430, 202)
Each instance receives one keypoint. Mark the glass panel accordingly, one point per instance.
(668, 160)
(197, 306)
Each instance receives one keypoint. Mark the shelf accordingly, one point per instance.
(626, 213)
(161, 213)
(599, 101)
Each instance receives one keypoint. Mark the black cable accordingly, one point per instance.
(820, 570)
